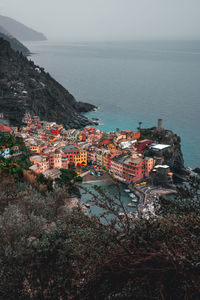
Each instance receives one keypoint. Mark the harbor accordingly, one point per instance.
(117, 193)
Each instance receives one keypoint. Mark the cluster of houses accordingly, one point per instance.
(6, 152)
(121, 152)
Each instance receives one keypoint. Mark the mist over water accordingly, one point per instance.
(132, 82)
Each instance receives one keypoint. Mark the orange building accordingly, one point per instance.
(126, 135)
(34, 148)
(82, 137)
(111, 147)
(149, 163)
(136, 135)
(53, 138)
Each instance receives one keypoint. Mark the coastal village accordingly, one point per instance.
(90, 152)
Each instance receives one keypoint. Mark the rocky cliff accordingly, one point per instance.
(27, 87)
(172, 157)
(14, 43)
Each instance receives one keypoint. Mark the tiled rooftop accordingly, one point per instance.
(70, 148)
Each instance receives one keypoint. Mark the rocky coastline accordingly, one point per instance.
(172, 157)
(26, 87)
(14, 43)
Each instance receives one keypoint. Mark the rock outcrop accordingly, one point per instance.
(172, 157)
(25, 87)
(197, 171)
(14, 43)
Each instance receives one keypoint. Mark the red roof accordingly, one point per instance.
(106, 142)
(90, 128)
(4, 128)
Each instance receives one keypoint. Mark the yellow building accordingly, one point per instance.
(34, 148)
(111, 147)
(80, 158)
(53, 138)
(60, 127)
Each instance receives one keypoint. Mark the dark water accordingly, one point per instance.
(132, 82)
(112, 192)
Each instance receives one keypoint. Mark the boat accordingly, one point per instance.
(132, 204)
(127, 190)
(121, 215)
(134, 200)
(87, 205)
(132, 195)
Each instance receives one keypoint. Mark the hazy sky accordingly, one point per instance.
(108, 19)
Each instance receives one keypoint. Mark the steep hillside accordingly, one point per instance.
(20, 31)
(14, 43)
(4, 31)
(172, 157)
(27, 87)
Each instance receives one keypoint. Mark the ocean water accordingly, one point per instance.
(132, 82)
(111, 191)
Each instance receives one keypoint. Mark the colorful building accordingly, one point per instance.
(34, 148)
(107, 158)
(55, 160)
(75, 155)
(41, 161)
(64, 161)
(116, 167)
(5, 130)
(80, 158)
(149, 163)
(82, 137)
(128, 169)
(99, 157)
(134, 169)
(111, 147)
(92, 156)
(5, 153)
(142, 145)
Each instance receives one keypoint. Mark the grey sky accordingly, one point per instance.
(108, 19)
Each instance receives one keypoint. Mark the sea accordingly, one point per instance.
(131, 82)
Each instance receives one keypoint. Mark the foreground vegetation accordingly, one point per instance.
(48, 252)
(15, 165)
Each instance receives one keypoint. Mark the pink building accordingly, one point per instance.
(91, 156)
(128, 169)
(116, 167)
(55, 160)
(64, 161)
(135, 169)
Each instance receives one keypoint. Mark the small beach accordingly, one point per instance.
(88, 178)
